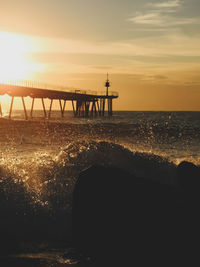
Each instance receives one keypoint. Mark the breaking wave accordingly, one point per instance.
(49, 181)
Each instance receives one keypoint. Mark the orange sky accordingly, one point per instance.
(150, 48)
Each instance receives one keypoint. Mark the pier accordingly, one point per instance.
(84, 103)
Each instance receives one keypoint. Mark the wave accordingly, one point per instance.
(36, 198)
(46, 177)
(84, 154)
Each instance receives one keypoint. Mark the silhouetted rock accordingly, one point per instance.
(119, 217)
(189, 175)
(189, 179)
(101, 208)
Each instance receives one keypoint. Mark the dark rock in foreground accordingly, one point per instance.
(189, 179)
(118, 217)
(189, 175)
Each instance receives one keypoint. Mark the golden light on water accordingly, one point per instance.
(5, 102)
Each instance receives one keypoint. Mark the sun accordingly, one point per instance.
(14, 64)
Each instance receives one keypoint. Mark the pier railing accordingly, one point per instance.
(47, 86)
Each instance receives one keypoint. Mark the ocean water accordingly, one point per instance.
(40, 161)
(173, 135)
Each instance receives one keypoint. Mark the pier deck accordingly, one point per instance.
(84, 104)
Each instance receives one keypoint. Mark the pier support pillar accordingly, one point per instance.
(24, 106)
(32, 105)
(45, 113)
(73, 108)
(61, 110)
(87, 108)
(98, 108)
(51, 103)
(103, 106)
(79, 108)
(110, 107)
(11, 106)
(93, 108)
(62, 107)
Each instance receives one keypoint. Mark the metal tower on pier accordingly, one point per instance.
(107, 85)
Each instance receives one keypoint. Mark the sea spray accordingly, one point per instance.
(50, 179)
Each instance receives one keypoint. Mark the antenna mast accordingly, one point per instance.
(107, 85)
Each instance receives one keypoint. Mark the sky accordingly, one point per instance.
(150, 48)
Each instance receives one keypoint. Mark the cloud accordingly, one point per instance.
(167, 4)
(148, 18)
(157, 18)
(163, 14)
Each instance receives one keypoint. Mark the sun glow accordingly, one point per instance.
(13, 61)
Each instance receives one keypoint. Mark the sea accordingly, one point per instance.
(41, 159)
